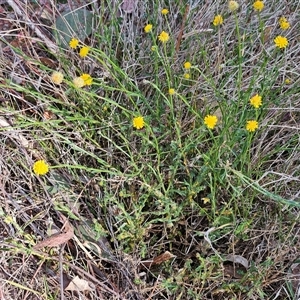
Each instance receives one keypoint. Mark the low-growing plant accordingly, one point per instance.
(168, 128)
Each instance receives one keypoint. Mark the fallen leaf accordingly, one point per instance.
(48, 115)
(78, 284)
(238, 259)
(235, 266)
(58, 238)
(158, 259)
(48, 62)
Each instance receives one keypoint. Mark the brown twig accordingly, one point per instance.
(182, 28)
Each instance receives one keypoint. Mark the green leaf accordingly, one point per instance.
(77, 24)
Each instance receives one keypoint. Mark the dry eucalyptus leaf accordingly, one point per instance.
(158, 259)
(57, 239)
(78, 284)
(235, 266)
(238, 259)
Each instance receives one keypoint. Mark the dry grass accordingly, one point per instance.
(132, 200)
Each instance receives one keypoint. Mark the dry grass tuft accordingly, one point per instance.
(171, 210)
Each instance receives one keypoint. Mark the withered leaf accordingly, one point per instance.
(78, 284)
(158, 259)
(58, 238)
(235, 266)
(48, 62)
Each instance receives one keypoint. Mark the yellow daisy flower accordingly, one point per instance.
(73, 43)
(283, 23)
(40, 167)
(210, 121)
(148, 28)
(251, 125)
(281, 42)
(218, 20)
(164, 11)
(88, 80)
(187, 65)
(288, 81)
(172, 91)
(186, 75)
(282, 19)
(258, 5)
(164, 37)
(57, 77)
(138, 122)
(256, 101)
(84, 51)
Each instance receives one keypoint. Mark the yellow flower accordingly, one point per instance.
(282, 19)
(187, 76)
(251, 125)
(164, 11)
(9, 219)
(205, 200)
(233, 5)
(40, 167)
(255, 101)
(148, 28)
(73, 43)
(258, 5)
(187, 65)
(78, 82)
(284, 24)
(57, 77)
(138, 122)
(287, 81)
(281, 42)
(218, 20)
(210, 121)
(164, 37)
(84, 51)
(88, 80)
(172, 91)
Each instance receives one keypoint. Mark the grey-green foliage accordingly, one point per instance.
(77, 23)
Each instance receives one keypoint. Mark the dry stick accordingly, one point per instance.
(1, 293)
(61, 269)
(181, 29)
(154, 288)
(38, 254)
(51, 46)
